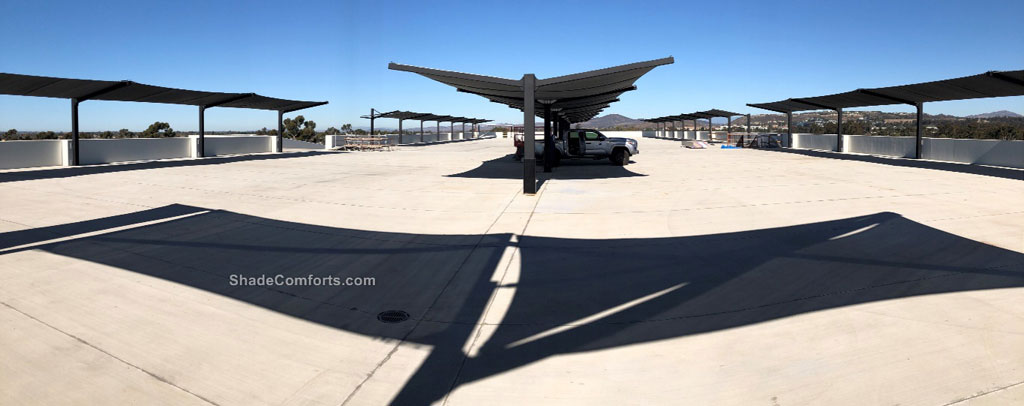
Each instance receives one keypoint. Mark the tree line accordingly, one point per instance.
(297, 128)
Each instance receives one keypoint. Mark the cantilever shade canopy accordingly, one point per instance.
(409, 115)
(576, 98)
(693, 116)
(126, 90)
(988, 84)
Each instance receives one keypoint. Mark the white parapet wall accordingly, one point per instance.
(233, 145)
(37, 153)
(901, 147)
(104, 151)
(825, 142)
(28, 154)
(982, 152)
(979, 152)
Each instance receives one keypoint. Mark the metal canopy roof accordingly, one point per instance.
(988, 84)
(577, 98)
(126, 90)
(409, 115)
(693, 116)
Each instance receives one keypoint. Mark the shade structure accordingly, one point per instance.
(692, 116)
(126, 90)
(561, 100)
(80, 90)
(576, 98)
(410, 115)
(984, 85)
(988, 84)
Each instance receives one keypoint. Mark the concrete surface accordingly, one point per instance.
(729, 277)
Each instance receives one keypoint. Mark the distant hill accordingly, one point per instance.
(1000, 113)
(613, 121)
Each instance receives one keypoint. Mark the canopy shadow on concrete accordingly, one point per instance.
(573, 295)
(507, 168)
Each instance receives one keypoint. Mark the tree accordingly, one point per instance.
(300, 129)
(332, 131)
(11, 134)
(124, 133)
(158, 129)
(346, 128)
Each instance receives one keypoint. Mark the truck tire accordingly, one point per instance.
(620, 157)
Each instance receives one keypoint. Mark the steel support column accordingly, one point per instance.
(371, 121)
(529, 160)
(919, 144)
(839, 130)
(748, 125)
(789, 129)
(421, 131)
(74, 133)
(280, 130)
(400, 130)
(437, 134)
(201, 147)
(463, 130)
(549, 143)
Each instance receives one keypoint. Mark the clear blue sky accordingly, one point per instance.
(727, 53)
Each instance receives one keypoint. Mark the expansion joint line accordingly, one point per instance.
(119, 359)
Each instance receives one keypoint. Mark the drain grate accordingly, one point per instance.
(392, 316)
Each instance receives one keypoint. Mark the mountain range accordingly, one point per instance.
(1000, 113)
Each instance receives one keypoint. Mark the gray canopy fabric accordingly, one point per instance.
(126, 90)
(576, 98)
(988, 84)
(409, 115)
(693, 116)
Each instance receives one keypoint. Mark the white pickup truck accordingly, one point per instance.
(584, 143)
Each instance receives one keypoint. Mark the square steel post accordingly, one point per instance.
(400, 130)
(421, 131)
(839, 130)
(789, 128)
(74, 133)
(529, 160)
(371, 121)
(919, 144)
(280, 130)
(201, 148)
(463, 130)
(748, 125)
(549, 143)
(437, 135)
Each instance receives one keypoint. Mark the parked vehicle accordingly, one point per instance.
(584, 143)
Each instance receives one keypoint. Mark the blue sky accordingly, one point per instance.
(727, 53)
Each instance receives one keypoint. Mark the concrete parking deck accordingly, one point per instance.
(688, 277)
